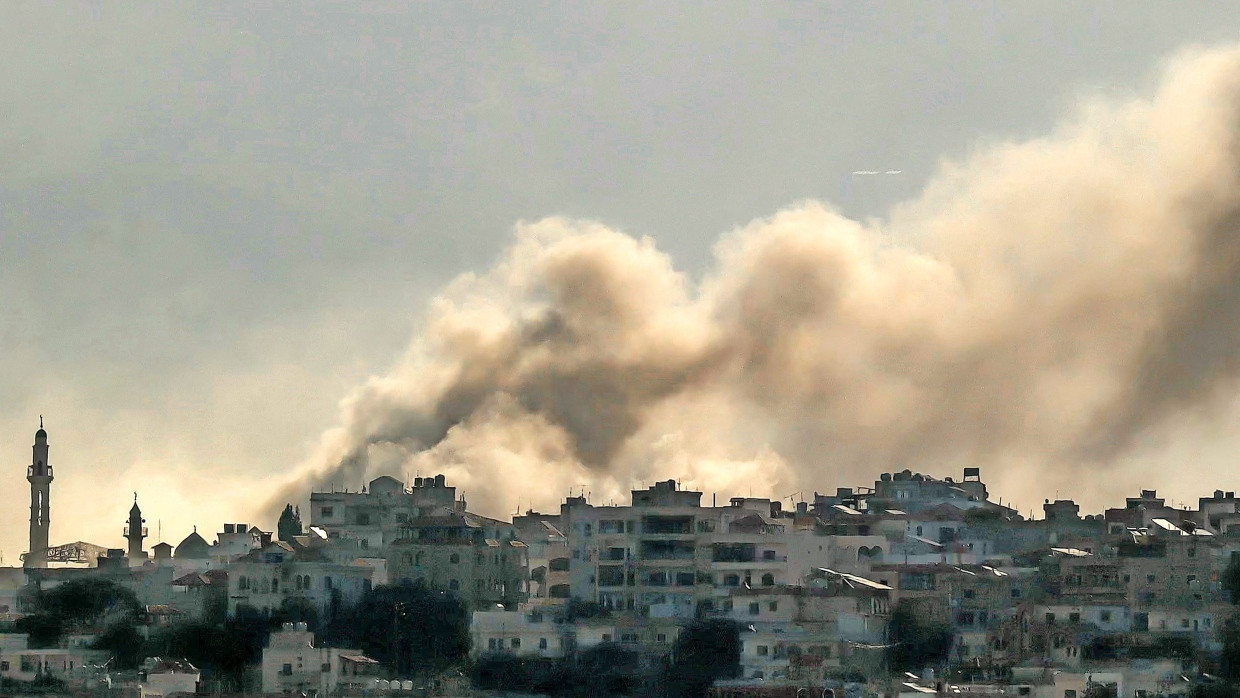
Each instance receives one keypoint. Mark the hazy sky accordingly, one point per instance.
(216, 220)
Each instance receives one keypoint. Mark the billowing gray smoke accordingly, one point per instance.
(1039, 311)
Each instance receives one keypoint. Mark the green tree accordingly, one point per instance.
(914, 643)
(704, 652)
(1231, 578)
(222, 650)
(1229, 661)
(408, 629)
(80, 603)
(87, 600)
(125, 643)
(1214, 689)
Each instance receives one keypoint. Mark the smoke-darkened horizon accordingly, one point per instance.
(1038, 311)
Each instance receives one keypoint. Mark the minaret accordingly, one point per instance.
(39, 475)
(135, 533)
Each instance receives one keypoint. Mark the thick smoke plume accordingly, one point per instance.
(1038, 311)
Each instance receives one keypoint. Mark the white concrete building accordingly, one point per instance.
(266, 578)
(292, 664)
(524, 633)
(165, 677)
(666, 556)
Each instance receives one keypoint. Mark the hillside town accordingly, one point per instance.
(916, 584)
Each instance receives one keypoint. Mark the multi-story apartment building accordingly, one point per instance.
(477, 559)
(798, 632)
(293, 665)
(376, 516)
(665, 555)
(548, 555)
(283, 573)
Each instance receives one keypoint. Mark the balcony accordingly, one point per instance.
(680, 551)
(667, 526)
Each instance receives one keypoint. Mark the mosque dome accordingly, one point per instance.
(194, 547)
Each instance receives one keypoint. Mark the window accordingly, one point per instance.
(454, 585)
(327, 583)
(768, 554)
(1074, 617)
(1069, 693)
(768, 580)
(491, 643)
(968, 593)
(327, 667)
(754, 608)
(773, 606)
(454, 559)
(1015, 593)
(542, 643)
(1050, 617)
(732, 580)
(363, 519)
(275, 586)
(1149, 579)
(660, 638)
(326, 512)
(762, 650)
(1105, 616)
(286, 670)
(606, 637)
(516, 643)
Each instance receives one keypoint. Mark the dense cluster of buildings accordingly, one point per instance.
(1130, 601)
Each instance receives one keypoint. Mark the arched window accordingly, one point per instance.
(454, 585)
(768, 580)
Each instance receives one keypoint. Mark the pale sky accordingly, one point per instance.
(216, 220)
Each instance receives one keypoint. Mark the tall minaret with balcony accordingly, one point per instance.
(135, 532)
(39, 475)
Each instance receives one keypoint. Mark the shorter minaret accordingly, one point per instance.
(135, 532)
(39, 475)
